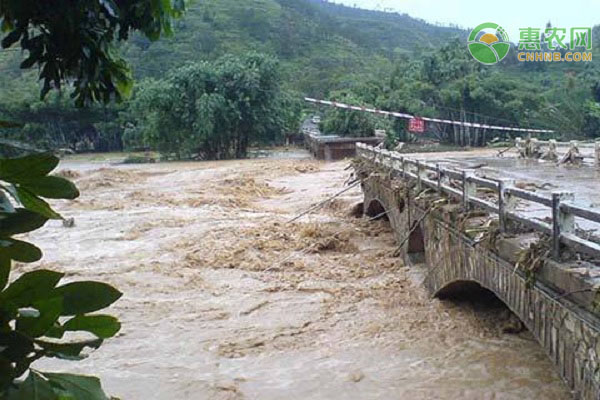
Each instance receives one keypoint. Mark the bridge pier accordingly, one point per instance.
(565, 324)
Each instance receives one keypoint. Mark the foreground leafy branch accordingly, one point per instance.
(39, 313)
(73, 41)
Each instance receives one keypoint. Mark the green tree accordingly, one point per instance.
(212, 110)
(343, 122)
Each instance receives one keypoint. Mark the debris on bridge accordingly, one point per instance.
(572, 156)
(550, 151)
(532, 258)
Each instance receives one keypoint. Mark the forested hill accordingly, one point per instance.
(386, 31)
(321, 45)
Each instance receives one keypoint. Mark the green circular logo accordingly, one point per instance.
(488, 43)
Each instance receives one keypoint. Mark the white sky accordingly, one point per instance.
(510, 14)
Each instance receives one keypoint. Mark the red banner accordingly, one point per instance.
(416, 125)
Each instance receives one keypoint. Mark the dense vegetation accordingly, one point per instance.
(211, 110)
(446, 83)
(316, 49)
(320, 47)
(70, 42)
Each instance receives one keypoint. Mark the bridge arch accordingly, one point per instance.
(460, 287)
(375, 209)
(564, 327)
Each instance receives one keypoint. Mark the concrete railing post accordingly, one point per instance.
(519, 145)
(574, 148)
(573, 145)
(385, 157)
(506, 202)
(395, 163)
(469, 188)
(597, 154)
(403, 167)
(561, 222)
(501, 216)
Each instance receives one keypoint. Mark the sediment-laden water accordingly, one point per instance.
(223, 299)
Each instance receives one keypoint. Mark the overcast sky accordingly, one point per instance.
(510, 14)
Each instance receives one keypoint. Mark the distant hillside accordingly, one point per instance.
(322, 45)
(383, 31)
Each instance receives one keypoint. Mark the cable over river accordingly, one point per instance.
(225, 300)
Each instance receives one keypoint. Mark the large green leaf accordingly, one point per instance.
(86, 296)
(19, 251)
(49, 311)
(28, 167)
(55, 332)
(68, 351)
(34, 388)
(103, 326)
(21, 221)
(31, 202)
(31, 287)
(51, 187)
(79, 386)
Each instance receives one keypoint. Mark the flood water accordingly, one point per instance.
(223, 299)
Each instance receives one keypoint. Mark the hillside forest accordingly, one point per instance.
(235, 72)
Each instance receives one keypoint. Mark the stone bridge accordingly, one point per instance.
(442, 225)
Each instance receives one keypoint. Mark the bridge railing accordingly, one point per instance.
(465, 184)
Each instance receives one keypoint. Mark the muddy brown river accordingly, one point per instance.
(223, 299)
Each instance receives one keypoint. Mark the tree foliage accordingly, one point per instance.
(37, 312)
(73, 40)
(448, 84)
(350, 123)
(212, 110)
(317, 45)
(388, 60)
